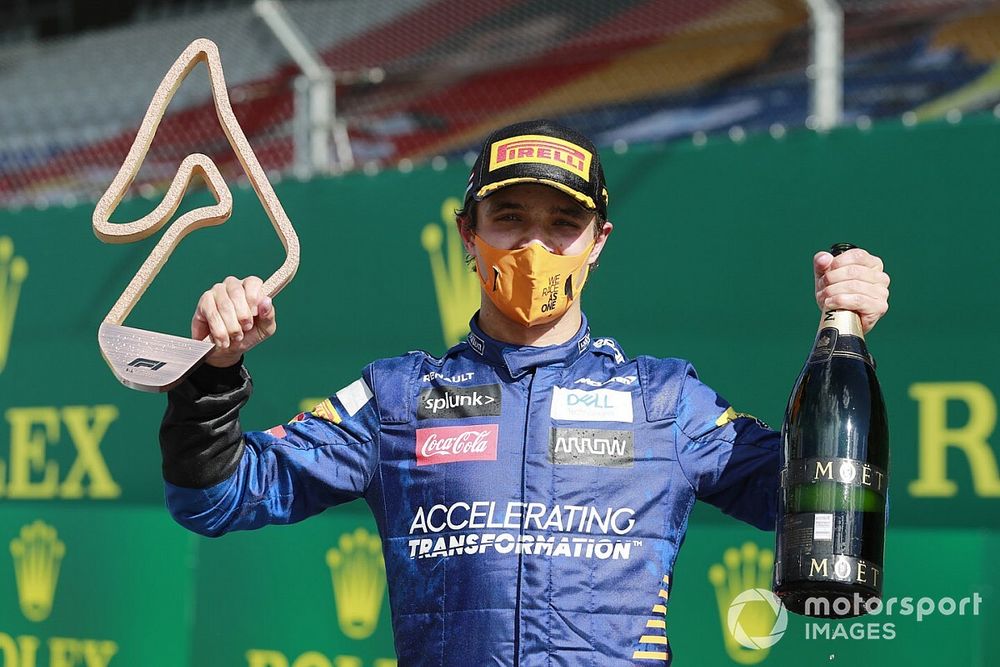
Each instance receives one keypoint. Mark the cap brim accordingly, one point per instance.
(490, 188)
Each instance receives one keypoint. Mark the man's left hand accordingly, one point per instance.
(854, 280)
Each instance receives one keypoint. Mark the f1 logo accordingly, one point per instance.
(151, 364)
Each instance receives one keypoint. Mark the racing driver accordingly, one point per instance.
(532, 486)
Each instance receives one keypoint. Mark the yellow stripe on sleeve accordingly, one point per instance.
(650, 655)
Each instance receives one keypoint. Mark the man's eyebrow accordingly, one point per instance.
(505, 204)
(571, 211)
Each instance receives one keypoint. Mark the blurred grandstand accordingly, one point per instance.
(420, 80)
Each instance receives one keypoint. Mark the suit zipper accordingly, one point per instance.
(524, 460)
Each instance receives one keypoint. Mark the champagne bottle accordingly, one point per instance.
(834, 479)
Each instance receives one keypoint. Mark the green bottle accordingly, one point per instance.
(834, 480)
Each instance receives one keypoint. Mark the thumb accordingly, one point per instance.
(821, 262)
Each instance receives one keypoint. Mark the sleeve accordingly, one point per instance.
(731, 459)
(219, 478)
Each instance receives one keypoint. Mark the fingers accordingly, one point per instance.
(230, 310)
(852, 272)
(854, 280)
(241, 306)
(225, 302)
(855, 264)
(857, 295)
(208, 321)
(254, 288)
(857, 256)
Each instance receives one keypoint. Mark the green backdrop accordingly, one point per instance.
(710, 260)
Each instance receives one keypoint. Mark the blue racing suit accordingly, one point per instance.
(531, 500)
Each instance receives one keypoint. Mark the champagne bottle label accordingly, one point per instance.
(826, 343)
(840, 334)
(834, 568)
(832, 546)
(846, 323)
(834, 469)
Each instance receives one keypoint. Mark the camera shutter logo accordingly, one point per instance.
(756, 596)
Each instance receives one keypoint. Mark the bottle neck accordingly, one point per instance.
(846, 322)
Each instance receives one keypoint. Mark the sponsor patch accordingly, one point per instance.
(477, 527)
(277, 431)
(354, 396)
(611, 345)
(477, 343)
(592, 447)
(325, 410)
(624, 379)
(450, 444)
(459, 402)
(731, 415)
(453, 379)
(598, 405)
(540, 149)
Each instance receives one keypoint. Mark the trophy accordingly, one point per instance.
(149, 360)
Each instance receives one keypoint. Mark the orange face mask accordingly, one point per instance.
(531, 285)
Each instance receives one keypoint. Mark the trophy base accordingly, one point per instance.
(148, 360)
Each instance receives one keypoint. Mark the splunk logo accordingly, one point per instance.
(459, 402)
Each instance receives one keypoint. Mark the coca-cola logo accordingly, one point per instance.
(449, 444)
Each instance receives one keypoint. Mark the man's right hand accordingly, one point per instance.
(236, 315)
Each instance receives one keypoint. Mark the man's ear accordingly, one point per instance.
(600, 240)
(468, 236)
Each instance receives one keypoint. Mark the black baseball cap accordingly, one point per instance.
(540, 151)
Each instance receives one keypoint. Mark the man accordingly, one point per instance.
(532, 486)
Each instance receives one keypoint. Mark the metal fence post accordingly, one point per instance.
(826, 67)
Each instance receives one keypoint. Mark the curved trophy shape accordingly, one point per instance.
(148, 360)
